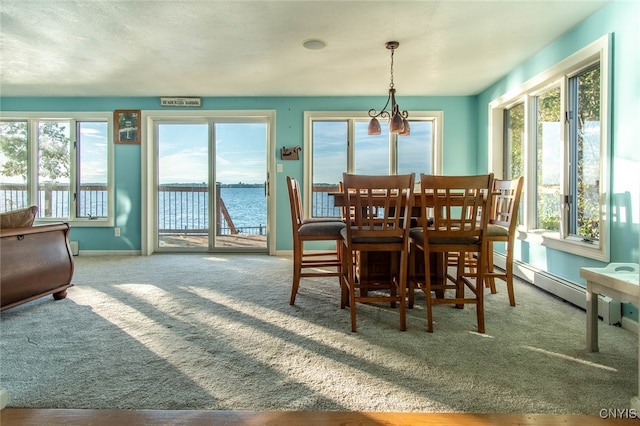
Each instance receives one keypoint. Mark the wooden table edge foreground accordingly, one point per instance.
(51, 417)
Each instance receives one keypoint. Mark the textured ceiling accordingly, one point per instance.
(254, 48)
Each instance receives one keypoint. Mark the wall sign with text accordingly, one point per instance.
(181, 102)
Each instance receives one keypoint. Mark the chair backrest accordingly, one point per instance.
(295, 203)
(455, 206)
(378, 205)
(506, 201)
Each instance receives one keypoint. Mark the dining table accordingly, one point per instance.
(382, 266)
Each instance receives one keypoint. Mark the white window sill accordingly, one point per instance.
(576, 246)
(79, 223)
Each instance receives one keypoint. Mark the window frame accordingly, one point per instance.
(558, 74)
(32, 119)
(437, 117)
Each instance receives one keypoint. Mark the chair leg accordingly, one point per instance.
(479, 290)
(352, 308)
(490, 280)
(459, 281)
(427, 288)
(403, 290)
(344, 277)
(411, 279)
(427, 292)
(480, 310)
(297, 270)
(509, 275)
(339, 269)
(351, 279)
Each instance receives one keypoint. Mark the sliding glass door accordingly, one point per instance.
(211, 182)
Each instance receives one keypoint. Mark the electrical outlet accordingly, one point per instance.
(117, 231)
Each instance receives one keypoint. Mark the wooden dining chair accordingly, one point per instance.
(449, 223)
(502, 225)
(312, 263)
(378, 208)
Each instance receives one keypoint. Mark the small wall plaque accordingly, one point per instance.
(290, 153)
(127, 126)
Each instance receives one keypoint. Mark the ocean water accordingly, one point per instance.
(247, 208)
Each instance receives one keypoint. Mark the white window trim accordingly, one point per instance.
(599, 50)
(76, 222)
(309, 116)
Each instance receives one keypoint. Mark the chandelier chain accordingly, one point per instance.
(391, 83)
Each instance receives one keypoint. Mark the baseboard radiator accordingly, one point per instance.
(608, 309)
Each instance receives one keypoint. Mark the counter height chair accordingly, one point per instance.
(502, 228)
(458, 217)
(312, 263)
(376, 208)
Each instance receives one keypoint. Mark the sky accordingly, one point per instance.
(240, 153)
(372, 152)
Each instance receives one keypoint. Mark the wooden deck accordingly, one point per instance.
(20, 417)
(238, 240)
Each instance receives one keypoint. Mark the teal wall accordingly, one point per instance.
(459, 148)
(621, 19)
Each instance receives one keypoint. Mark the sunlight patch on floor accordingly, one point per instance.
(571, 358)
(488, 336)
(224, 324)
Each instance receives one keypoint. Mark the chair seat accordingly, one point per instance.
(371, 240)
(496, 231)
(322, 219)
(417, 234)
(321, 228)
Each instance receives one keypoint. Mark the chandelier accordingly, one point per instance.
(397, 119)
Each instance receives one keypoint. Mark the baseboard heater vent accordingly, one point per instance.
(608, 309)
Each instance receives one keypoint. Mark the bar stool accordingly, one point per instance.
(309, 263)
(458, 206)
(377, 208)
(502, 228)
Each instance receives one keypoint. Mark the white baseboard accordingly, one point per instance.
(74, 247)
(608, 309)
(109, 253)
(4, 398)
(629, 324)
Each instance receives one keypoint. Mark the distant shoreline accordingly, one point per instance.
(221, 185)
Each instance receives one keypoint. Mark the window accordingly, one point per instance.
(338, 142)
(514, 147)
(549, 160)
(62, 165)
(554, 133)
(584, 155)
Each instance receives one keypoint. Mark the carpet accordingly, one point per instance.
(216, 332)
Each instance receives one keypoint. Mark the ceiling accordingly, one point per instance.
(254, 48)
